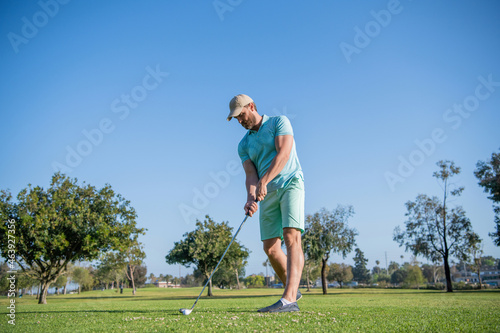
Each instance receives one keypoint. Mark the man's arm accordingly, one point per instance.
(252, 179)
(284, 144)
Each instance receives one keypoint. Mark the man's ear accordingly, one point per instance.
(251, 106)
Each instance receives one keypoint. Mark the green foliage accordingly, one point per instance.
(64, 223)
(311, 272)
(382, 278)
(111, 269)
(82, 276)
(132, 256)
(393, 266)
(61, 282)
(254, 281)
(489, 261)
(488, 174)
(415, 277)
(432, 273)
(398, 276)
(328, 232)
(433, 230)
(341, 273)
(204, 247)
(140, 278)
(360, 271)
(4, 283)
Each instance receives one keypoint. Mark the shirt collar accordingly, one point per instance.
(264, 120)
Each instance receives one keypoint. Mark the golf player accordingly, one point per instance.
(274, 179)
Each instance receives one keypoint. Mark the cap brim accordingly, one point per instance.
(235, 113)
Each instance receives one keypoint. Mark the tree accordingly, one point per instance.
(311, 271)
(132, 256)
(235, 264)
(63, 224)
(328, 232)
(475, 252)
(4, 275)
(140, 278)
(266, 264)
(254, 281)
(82, 277)
(490, 262)
(341, 273)
(360, 272)
(152, 278)
(398, 276)
(488, 174)
(414, 276)
(204, 247)
(113, 268)
(104, 275)
(433, 230)
(393, 266)
(60, 282)
(432, 272)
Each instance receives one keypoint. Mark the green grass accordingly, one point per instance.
(342, 310)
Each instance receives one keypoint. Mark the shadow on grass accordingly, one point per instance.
(143, 298)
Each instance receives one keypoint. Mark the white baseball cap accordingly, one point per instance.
(236, 105)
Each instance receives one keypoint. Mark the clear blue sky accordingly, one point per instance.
(362, 82)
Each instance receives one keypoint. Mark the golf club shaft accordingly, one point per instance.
(215, 269)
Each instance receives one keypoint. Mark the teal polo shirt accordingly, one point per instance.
(259, 146)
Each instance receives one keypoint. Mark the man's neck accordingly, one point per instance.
(259, 123)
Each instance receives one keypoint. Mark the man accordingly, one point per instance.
(274, 178)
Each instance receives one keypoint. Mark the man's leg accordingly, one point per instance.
(281, 263)
(294, 262)
(277, 258)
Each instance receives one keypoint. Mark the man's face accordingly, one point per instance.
(246, 117)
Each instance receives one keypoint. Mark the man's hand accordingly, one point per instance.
(261, 190)
(251, 207)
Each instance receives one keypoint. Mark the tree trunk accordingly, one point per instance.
(447, 273)
(38, 292)
(79, 289)
(133, 285)
(209, 292)
(237, 279)
(307, 279)
(323, 275)
(479, 276)
(44, 288)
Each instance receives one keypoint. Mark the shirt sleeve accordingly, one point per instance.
(283, 126)
(243, 152)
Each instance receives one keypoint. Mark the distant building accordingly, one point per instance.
(488, 276)
(163, 284)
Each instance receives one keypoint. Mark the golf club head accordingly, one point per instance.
(186, 311)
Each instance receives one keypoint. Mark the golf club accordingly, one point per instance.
(188, 311)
